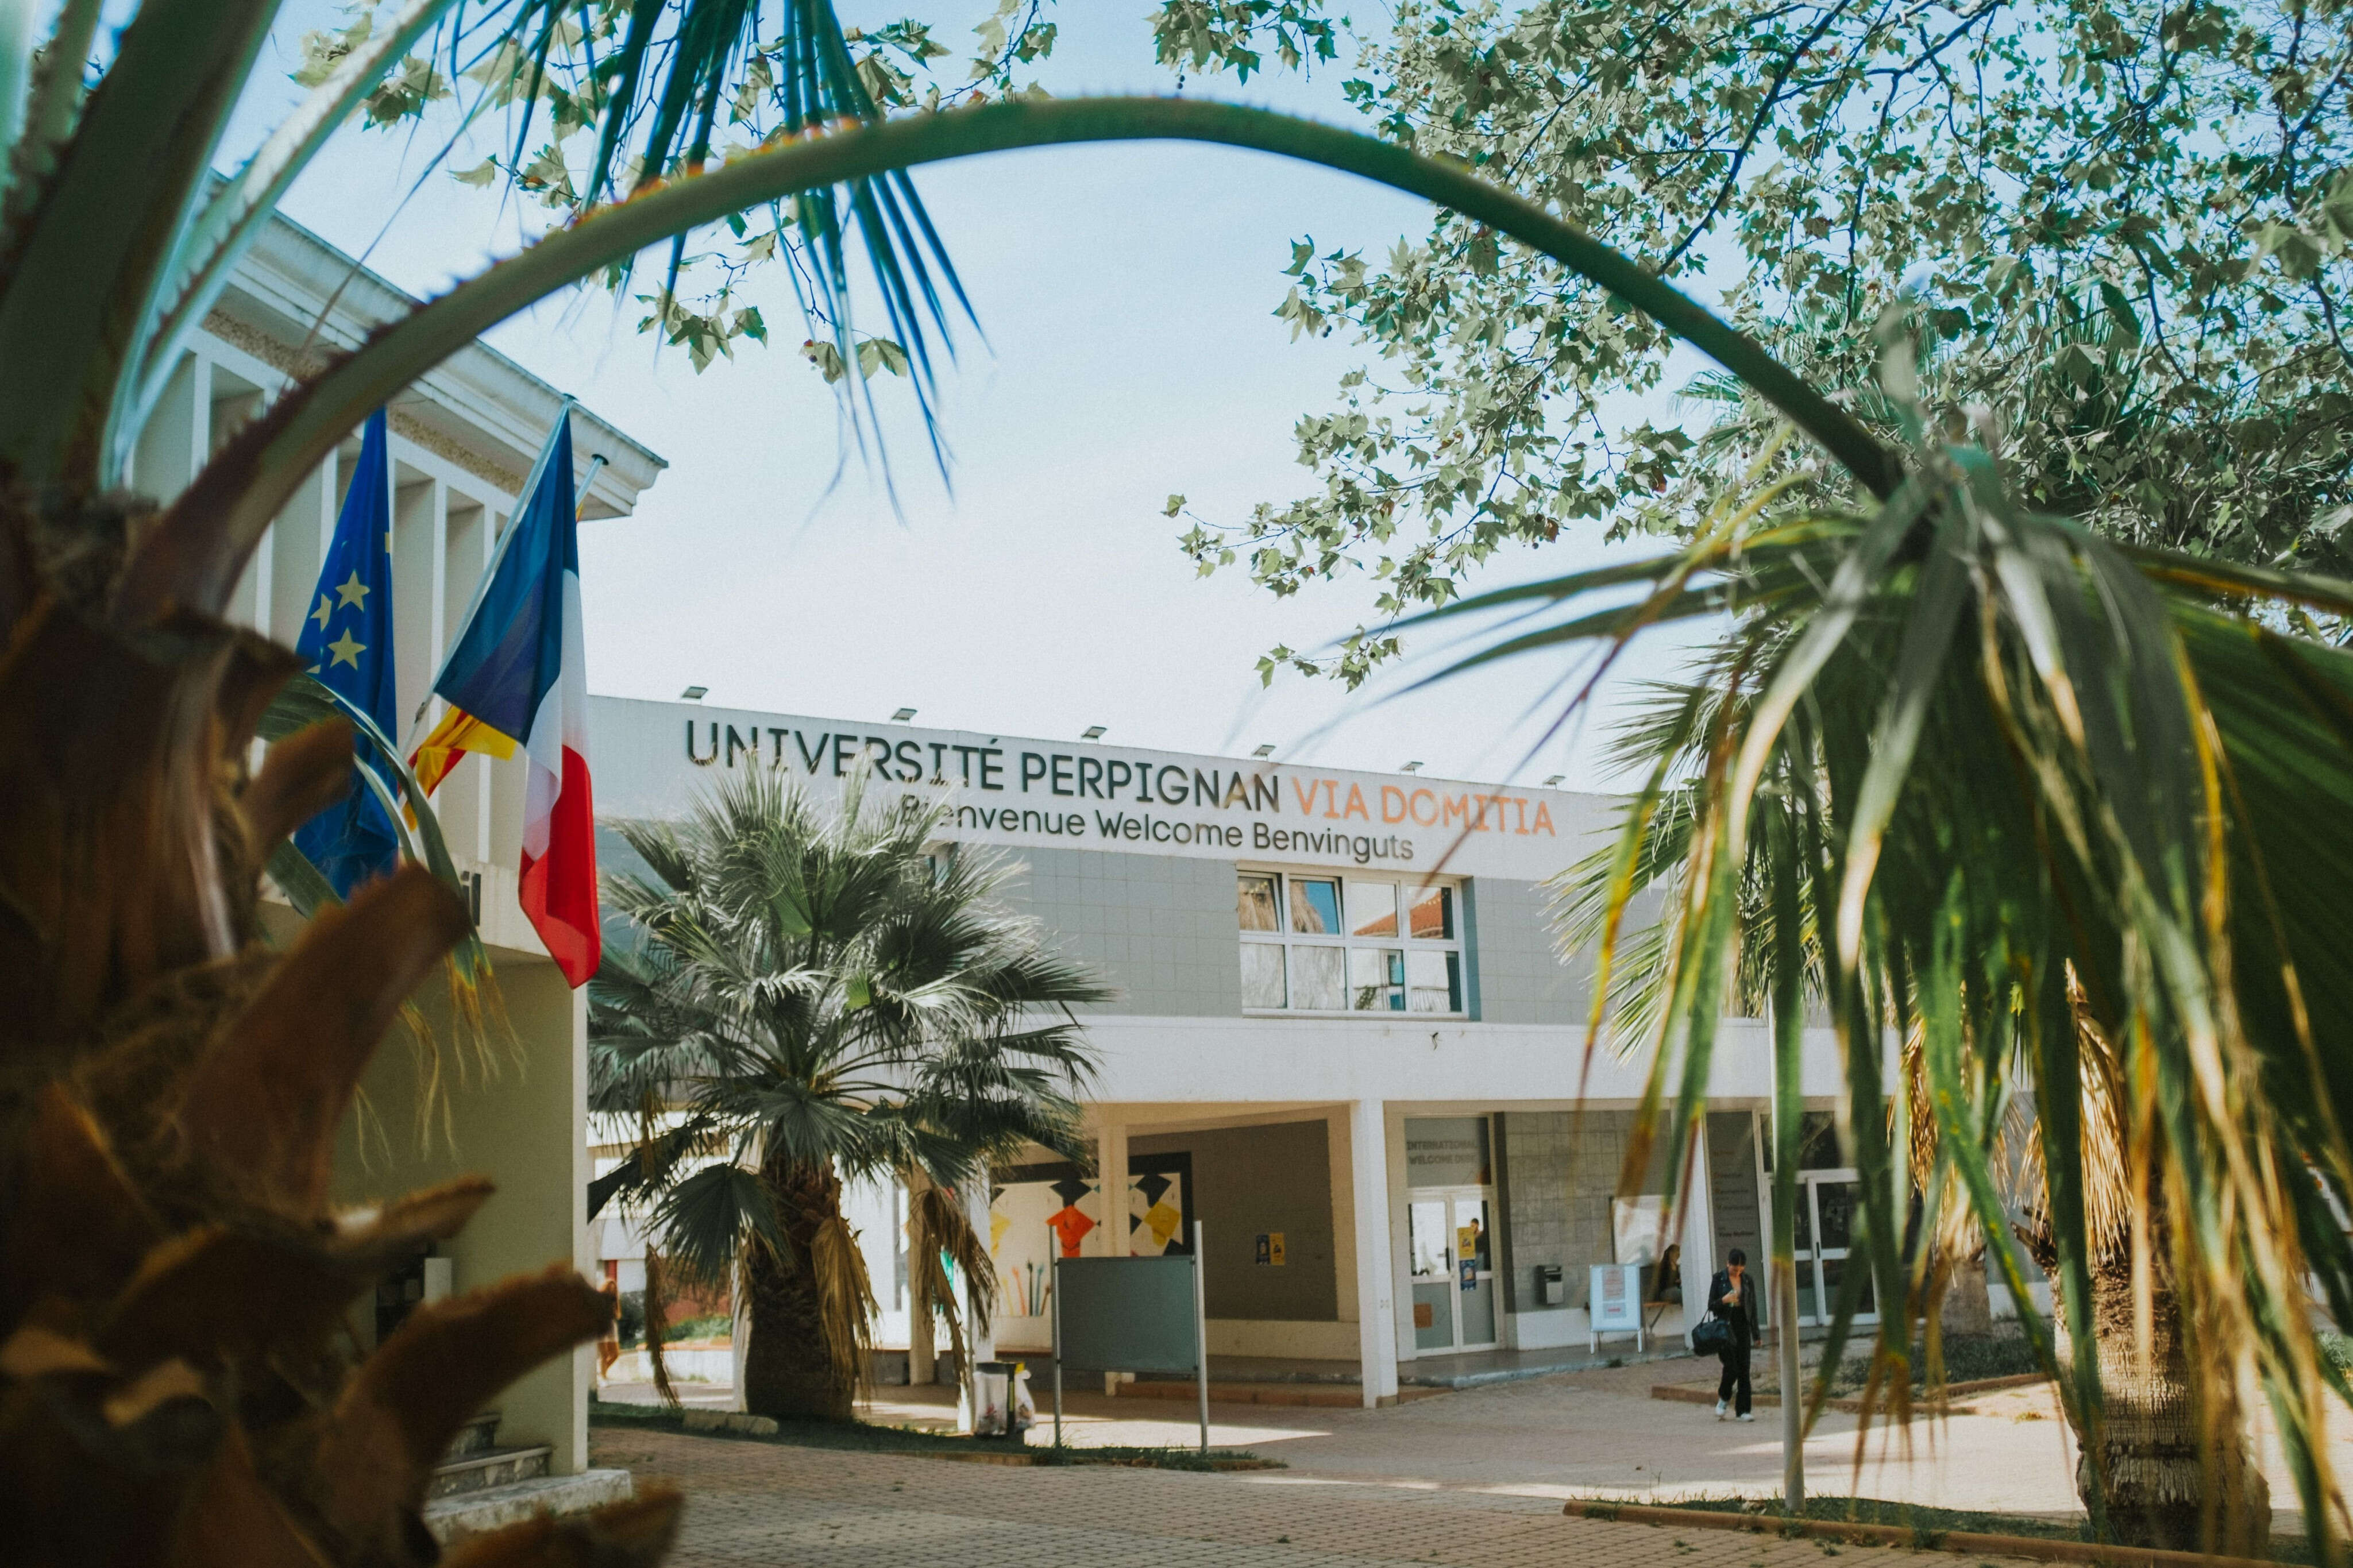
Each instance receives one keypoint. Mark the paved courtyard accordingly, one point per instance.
(780, 1507)
(1471, 1477)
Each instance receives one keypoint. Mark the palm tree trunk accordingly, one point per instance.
(2161, 1477)
(789, 1372)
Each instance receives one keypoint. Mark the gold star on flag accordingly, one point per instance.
(354, 592)
(319, 614)
(346, 650)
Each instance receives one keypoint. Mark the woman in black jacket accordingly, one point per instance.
(1732, 1296)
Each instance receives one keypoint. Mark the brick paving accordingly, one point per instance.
(783, 1507)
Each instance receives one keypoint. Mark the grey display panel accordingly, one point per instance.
(1126, 1315)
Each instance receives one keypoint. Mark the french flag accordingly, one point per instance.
(516, 680)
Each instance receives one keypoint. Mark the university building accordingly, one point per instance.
(1343, 1042)
(462, 440)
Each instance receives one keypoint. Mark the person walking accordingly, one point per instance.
(1732, 1296)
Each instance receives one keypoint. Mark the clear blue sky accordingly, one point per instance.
(1126, 295)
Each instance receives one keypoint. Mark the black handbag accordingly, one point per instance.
(1713, 1336)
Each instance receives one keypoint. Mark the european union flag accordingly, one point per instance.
(348, 638)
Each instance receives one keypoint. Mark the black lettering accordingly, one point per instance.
(1091, 773)
(1168, 796)
(842, 745)
(1364, 850)
(882, 757)
(939, 761)
(966, 816)
(964, 757)
(1033, 768)
(1405, 849)
(911, 762)
(990, 768)
(1263, 792)
(1258, 837)
(778, 738)
(1115, 774)
(701, 762)
(1207, 788)
(1133, 827)
(1144, 781)
(1233, 837)
(1028, 822)
(1060, 782)
(737, 743)
(809, 759)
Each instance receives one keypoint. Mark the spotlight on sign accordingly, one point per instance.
(1411, 768)
(901, 716)
(695, 694)
(1091, 733)
(1265, 751)
(1555, 780)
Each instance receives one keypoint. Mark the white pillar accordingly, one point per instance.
(1377, 1348)
(975, 1209)
(1111, 1170)
(1698, 1238)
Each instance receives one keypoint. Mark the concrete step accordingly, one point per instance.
(480, 1433)
(453, 1517)
(488, 1468)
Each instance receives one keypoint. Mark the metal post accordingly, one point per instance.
(1054, 1290)
(1788, 1059)
(1793, 1436)
(1201, 1336)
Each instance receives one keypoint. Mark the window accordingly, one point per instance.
(1347, 944)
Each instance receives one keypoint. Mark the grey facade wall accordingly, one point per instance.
(1557, 1173)
(1159, 928)
(1250, 1180)
(1521, 979)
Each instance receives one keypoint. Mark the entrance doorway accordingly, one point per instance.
(1451, 1232)
(1826, 1206)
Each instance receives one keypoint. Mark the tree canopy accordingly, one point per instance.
(2120, 227)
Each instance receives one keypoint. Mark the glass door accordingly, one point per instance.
(1826, 1207)
(1451, 1238)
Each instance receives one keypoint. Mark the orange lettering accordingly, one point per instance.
(1457, 809)
(1523, 806)
(1305, 797)
(1423, 797)
(1544, 820)
(1331, 798)
(1356, 806)
(1392, 804)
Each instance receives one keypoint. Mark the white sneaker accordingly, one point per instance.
(1719, 1410)
(1745, 1418)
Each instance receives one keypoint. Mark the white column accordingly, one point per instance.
(975, 1209)
(1375, 1291)
(1111, 1169)
(1699, 1232)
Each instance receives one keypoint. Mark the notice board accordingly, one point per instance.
(1126, 1315)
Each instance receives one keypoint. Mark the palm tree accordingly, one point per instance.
(826, 997)
(2056, 812)
(174, 1085)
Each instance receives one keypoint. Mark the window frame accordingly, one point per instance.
(1402, 942)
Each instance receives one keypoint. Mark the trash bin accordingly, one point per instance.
(1001, 1396)
(1550, 1290)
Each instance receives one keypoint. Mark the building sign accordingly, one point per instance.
(1446, 1152)
(659, 755)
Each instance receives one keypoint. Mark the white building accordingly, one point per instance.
(462, 440)
(1344, 1043)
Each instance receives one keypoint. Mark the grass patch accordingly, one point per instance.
(862, 1436)
(1936, 1521)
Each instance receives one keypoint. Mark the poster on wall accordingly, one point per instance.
(1158, 1194)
